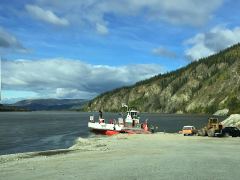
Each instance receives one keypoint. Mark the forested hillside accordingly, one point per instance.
(203, 86)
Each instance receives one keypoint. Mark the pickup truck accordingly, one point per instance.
(231, 131)
(189, 130)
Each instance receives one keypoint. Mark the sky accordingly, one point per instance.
(81, 48)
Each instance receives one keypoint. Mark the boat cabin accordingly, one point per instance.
(132, 118)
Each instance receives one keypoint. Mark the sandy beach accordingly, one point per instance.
(153, 156)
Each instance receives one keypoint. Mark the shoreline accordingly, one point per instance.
(150, 156)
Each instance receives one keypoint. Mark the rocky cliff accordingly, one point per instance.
(203, 86)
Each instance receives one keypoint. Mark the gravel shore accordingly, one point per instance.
(153, 156)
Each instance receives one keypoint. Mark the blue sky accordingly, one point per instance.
(78, 49)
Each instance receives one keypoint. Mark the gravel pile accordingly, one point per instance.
(232, 120)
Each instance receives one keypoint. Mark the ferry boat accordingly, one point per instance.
(131, 125)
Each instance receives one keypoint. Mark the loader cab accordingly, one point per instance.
(214, 123)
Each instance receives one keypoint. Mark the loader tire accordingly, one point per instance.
(211, 133)
(202, 132)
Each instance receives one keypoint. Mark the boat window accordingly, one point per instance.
(133, 114)
(187, 128)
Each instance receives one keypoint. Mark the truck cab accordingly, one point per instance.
(189, 130)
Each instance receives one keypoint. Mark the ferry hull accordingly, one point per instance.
(140, 131)
(124, 131)
(105, 132)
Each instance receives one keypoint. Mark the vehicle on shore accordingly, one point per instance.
(189, 130)
(131, 125)
(212, 129)
(230, 131)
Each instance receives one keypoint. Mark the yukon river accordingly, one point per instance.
(48, 130)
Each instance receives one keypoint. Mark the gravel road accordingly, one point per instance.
(154, 156)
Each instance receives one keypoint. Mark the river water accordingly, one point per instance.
(48, 130)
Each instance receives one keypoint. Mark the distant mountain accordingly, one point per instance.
(51, 104)
(10, 108)
(203, 86)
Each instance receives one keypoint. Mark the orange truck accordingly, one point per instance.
(189, 130)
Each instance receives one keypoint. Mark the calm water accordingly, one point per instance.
(37, 131)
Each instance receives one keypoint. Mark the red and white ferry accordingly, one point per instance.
(131, 125)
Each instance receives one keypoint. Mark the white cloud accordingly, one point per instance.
(93, 12)
(8, 41)
(64, 78)
(205, 44)
(101, 29)
(46, 15)
(180, 12)
(72, 93)
(9, 96)
(162, 51)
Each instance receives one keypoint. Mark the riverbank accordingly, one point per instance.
(154, 156)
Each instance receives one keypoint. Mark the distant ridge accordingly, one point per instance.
(51, 104)
(203, 86)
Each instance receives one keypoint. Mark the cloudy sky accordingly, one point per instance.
(78, 49)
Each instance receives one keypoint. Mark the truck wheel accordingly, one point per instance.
(226, 134)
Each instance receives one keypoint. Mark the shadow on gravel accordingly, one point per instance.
(52, 153)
